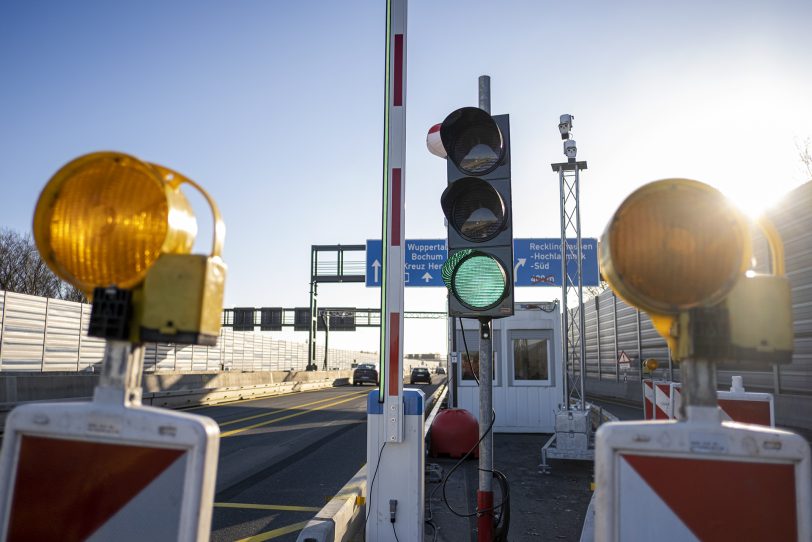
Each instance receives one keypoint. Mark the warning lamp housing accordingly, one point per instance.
(650, 365)
(104, 219)
(673, 245)
(477, 206)
(121, 230)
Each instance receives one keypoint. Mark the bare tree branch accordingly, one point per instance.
(805, 155)
(23, 270)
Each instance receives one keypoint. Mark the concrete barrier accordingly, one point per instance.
(169, 390)
(342, 517)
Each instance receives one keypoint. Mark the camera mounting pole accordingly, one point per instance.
(572, 321)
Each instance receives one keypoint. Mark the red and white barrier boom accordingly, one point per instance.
(702, 478)
(395, 446)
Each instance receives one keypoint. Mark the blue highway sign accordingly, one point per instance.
(536, 262)
(424, 260)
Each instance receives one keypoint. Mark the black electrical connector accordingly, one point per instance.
(110, 313)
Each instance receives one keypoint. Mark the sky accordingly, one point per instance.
(276, 109)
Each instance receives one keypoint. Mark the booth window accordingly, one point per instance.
(530, 359)
(472, 342)
(466, 367)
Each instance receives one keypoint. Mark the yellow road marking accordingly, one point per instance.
(284, 394)
(289, 416)
(275, 533)
(265, 414)
(266, 507)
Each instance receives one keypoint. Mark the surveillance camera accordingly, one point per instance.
(565, 125)
(570, 149)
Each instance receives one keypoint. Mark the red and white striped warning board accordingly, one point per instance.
(747, 407)
(699, 499)
(648, 399)
(701, 481)
(85, 471)
(737, 406)
(102, 485)
(662, 400)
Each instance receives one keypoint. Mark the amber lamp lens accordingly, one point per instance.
(675, 244)
(103, 220)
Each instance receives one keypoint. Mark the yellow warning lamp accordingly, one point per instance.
(104, 219)
(120, 228)
(674, 245)
(650, 365)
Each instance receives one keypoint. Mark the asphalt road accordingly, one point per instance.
(282, 458)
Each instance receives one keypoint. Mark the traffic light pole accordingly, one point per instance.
(485, 493)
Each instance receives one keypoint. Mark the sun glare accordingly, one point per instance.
(752, 201)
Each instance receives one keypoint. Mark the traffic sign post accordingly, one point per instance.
(110, 468)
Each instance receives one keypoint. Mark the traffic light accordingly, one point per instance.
(678, 250)
(477, 206)
(121, 230)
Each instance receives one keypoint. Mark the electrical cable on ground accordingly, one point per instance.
(372, 484)
(467, 355)
(500, 529)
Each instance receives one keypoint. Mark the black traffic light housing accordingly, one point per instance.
(477, 205)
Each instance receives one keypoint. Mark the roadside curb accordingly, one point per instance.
(340, 519)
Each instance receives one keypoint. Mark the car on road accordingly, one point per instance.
(420, 374)
(365, 372)
(439, 371)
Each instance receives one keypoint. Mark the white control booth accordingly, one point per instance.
(528, 384)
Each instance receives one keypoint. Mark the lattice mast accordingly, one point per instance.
(572, 290)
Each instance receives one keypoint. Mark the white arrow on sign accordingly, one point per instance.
(375, 266)
(519, 263)
(427, 277)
